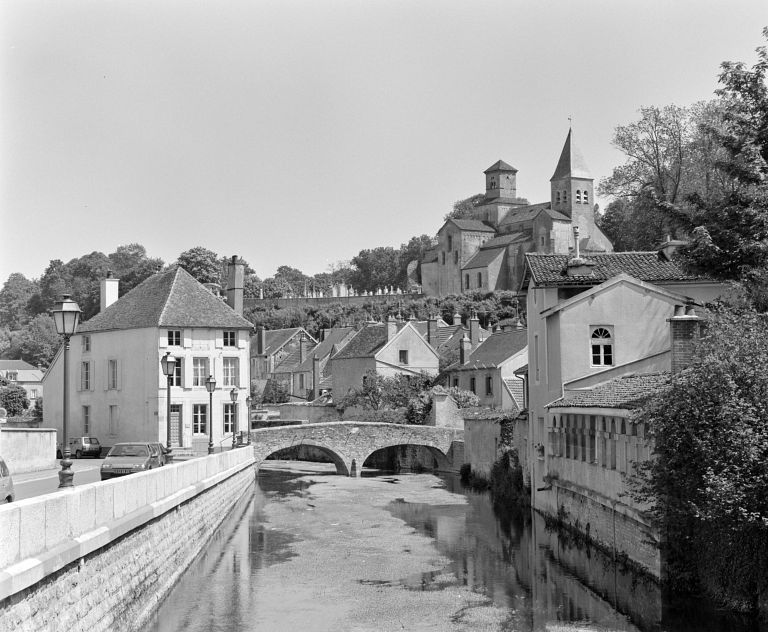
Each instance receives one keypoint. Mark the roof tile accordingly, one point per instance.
(629, 392)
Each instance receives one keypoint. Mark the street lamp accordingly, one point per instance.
(168, 363)
(210, 386)
(233, 396)
(66, 317)
(248, 406)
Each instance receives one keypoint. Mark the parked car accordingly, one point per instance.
(128, 458)
(84, 446)
(160, 450)
(6, 484)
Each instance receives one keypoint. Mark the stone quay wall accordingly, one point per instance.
(100, 557)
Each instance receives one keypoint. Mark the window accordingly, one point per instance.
(565, 196)
(443, 257)
(585, 199)
(229, 418)
(557, 197)
(455, 382)
(466, 281)
(199, 371)
(403, 356)
(200, 418)
(488, 385)
(456, 256)
(114, 419)
(602, 347)
(111, 374)
(536, 355)
(541, 240)
(86, 420)
(301, 381)
(578, 196)
(479, 279)
(450, 243)
(472, 385)
(33, 393)
(230, 338)
(231, 371)
(85, 376)
(178, 371)
(174, 337)
(86, 343)
(12, 376)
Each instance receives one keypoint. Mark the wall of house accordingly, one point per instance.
(481, 444)
(28, 449)
(421, 357)
(348, 374)
(103, 555)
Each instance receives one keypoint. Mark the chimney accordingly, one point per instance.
(109, 290)
(432, 330)
(315, 377)
(465, 350)
(578, 266)
(684, 329)
(302, 348)
(235, 283)
(668, 248)
(261, 343)
(391, 327)
(474, 330)
(457, 319)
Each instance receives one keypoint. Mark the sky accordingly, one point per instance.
(301, 132)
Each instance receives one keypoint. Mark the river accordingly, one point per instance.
(312, 551)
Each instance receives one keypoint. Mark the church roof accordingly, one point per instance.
(549, 270)
(483, 258)
(527, 213)
(571, 163)
(473, 225)
(503, 240)
(500, 166)
(169, 299)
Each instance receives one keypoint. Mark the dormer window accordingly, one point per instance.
(601, 345)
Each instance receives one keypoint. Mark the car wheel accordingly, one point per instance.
(78, 454)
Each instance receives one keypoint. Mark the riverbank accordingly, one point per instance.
(354, 566)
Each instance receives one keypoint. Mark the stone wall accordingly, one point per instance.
(312, 413)
(102, 556)
(28, 449)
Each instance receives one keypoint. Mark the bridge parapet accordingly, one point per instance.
(350, 443)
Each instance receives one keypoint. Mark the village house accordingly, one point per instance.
(23, 374)
(386, 349)
(314, 375)
(271, 347)
(117, 387)
(485, 251)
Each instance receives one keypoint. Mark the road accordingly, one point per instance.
(47, 481)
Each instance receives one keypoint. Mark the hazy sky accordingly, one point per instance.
(298, 133)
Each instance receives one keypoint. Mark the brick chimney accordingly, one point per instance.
(465, 350)
(235, 283)
(302, 348)
(109, 290)
(432, 330)
(578, 266)
(315, 377)
(391, 327)
(457, 319)
(474, 330)
(684, 329)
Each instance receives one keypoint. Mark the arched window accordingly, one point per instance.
(479, 279)
(565, 196)
(466, 281)
(557, 197)
(585, 199)
(578, 196)
(602, 346)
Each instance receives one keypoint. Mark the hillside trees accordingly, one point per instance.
(14, 297)
(201, 263)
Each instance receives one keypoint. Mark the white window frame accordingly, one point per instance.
(199, 418)
(230, 371)
(175, 339)
(86, 420)
(113, 369)
(229, 417)
(86, 377)
(230, 338)
(601, 346)
(402, 356)
(198, 380)
(86, 344)
(177, 379)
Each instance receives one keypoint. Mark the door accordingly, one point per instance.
(176, 425)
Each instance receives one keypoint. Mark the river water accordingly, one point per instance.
(312, 551)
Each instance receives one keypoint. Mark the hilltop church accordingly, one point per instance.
(486, 250)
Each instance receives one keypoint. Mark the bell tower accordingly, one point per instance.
(572, 186)
(500, 181)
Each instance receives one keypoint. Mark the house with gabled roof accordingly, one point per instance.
(117, 390)
(486, 250)
(488, 371)
(385, 348)
(314, 374)
(23, 374)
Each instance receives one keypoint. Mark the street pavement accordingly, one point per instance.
(41, 482)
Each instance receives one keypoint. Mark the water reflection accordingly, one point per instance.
(543, 580)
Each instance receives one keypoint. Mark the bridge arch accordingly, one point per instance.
(342, 462)
(438, 459)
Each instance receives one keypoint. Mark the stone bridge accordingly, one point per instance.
(350, 443)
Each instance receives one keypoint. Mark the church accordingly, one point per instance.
(485, 251)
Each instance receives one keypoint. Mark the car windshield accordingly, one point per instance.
(129, 450)
(91, 440)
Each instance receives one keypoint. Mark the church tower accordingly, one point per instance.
(572, 186)
(500, 181)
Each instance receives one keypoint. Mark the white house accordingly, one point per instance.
(117, 390)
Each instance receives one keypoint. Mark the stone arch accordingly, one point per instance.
(342, 462)
(442, 461)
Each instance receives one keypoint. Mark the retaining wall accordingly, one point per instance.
(28, 449)
(101, 556)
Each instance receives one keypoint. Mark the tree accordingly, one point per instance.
(463, 208)
(707, 484)
(412, 251)
(379, 392)
(201, 263)
(275, 392)
(374, 269)
(16, 292)
(14, 399)
(131, 265)
(36, 343)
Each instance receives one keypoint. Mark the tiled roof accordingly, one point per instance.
(169, 299)
(501, 200)
(630, 391)
(527, 213)
(515, 386)
(500, 165)
(571, 163)
(366, 342)
(276, 338)
(483, 258)
(495, 349)
(291, 363)
(335, 337)
(487, 413)
(503, 240)
(473, 225)
(550, 270)
(16, 365)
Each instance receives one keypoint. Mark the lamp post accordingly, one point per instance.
(66, 317)
(233, 396)
(210, 386)
(168, 363)
(248, 406)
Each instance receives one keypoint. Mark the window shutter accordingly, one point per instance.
(92, 366)
(219, 339)
(162, 342)
(241, 339)
(187, 338)
(106, 372)
(120, 375)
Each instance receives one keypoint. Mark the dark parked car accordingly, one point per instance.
(128, 458)
(6, 484)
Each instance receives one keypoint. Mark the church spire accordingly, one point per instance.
(571, 163)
